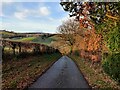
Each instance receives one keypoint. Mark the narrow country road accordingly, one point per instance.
(63, 74)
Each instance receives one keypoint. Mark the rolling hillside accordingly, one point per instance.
(6, 34)
(45, 40)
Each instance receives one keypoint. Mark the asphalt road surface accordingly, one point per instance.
(63, 74)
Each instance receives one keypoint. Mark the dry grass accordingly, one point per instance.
(94, 74)
(22, 72)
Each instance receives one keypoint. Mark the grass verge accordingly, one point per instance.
(94, 74)
(22, 72)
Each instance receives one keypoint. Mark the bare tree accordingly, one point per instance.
(68, 30)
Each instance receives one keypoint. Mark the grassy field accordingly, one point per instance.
(26, 39)
(94, 74)
(19, 73)
(45, 41)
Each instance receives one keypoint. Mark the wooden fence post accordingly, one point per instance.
(19, 45)
(13, 47)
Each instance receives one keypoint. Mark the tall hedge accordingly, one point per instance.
(111, 66)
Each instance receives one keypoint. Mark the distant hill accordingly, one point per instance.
(6, 34)
(11, 34)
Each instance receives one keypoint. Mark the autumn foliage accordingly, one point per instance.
(92, 46)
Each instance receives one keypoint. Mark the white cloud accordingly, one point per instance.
(22, 14)
(19, 15)
(44, 11)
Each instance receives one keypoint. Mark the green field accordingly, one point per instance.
(26, 39)
(45, 41)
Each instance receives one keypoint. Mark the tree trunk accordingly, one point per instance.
(13, 51)
(19, 49)
(3, 50)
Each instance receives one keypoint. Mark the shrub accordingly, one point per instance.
(111, 66)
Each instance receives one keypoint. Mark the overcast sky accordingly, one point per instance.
(42, 16)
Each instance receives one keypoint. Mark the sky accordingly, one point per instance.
(32, 16)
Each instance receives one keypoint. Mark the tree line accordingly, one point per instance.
(26, 47)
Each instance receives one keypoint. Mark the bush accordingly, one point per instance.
(111, 66)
